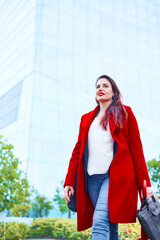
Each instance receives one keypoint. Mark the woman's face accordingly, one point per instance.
(104, 90)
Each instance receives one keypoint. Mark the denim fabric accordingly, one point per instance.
(102, 228)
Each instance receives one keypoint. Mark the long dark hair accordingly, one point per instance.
(116, 108)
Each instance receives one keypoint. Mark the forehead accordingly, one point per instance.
(102, 81)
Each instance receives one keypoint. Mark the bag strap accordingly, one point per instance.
(144, 188)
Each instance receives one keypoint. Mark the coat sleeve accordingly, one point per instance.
(73, 163)
(136, 150)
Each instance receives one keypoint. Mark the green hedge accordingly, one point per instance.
(13, 230)
(58, 228)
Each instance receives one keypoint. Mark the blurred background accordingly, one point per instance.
(51, 53)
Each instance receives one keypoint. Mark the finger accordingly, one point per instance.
(149, 195)
(67, 199)
(151, 192)
(66, 195)
(72, 191)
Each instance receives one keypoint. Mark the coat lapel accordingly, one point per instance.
(88, 120)
(86, 125)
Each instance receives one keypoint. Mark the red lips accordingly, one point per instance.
(100, 94)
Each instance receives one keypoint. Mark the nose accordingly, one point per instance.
(100, 88)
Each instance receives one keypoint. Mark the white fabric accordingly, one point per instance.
(100, 147)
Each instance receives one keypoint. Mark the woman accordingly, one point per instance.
(110, 163)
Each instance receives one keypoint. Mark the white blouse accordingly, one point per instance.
(100, 147)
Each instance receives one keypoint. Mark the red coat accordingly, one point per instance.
(127, 171)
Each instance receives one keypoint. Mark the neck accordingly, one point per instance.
(104, 106)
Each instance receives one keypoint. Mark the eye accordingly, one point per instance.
(105, 85)
(97, 86)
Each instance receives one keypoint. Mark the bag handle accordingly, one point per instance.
(144, 188)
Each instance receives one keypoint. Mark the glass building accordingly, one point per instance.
(51, 54)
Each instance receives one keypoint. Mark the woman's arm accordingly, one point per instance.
(136, 150)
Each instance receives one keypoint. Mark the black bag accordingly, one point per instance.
(72, 205)
(149, 217)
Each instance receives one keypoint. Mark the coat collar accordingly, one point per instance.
(90, 117)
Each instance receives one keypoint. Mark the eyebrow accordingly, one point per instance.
(102, 84)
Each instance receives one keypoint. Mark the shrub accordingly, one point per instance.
(14, 230)
(42, 227)
(1, 230)
(59, 228)
(67, 229)
(130, 231)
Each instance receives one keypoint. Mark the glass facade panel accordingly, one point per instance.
(9, 105)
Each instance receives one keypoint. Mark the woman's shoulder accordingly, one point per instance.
(131, 114)
(86, 114)
(90, 112)
(128, 108)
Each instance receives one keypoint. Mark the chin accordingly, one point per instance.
(101, 99)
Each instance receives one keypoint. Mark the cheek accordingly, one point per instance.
(110, 91)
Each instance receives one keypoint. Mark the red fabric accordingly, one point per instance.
(127, 171)
(143, 235)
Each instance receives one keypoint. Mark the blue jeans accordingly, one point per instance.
(102, 228)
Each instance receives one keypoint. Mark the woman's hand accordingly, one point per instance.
(149, 192)
(67, 189)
